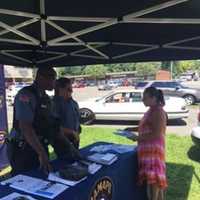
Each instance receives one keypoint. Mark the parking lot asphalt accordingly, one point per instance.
(178, 127)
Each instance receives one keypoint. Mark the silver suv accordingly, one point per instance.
(173, 88)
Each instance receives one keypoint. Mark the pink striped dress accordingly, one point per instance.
(151, 153)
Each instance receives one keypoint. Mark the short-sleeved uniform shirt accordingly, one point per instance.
(68, 112)
(25, 104)
(26, 108)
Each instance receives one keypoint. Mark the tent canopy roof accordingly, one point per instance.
(67, 33)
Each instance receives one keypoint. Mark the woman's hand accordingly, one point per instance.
(128, 129)
(133, 137)
(132, 129)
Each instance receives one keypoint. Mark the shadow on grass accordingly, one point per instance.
(197, 177)
(178, 122)
(179, 180)
(194, 153)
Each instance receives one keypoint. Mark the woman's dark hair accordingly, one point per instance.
(158, 94)
(61, 83)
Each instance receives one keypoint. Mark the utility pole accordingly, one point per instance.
(171, 69)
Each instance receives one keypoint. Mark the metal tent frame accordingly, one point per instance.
(91, 48)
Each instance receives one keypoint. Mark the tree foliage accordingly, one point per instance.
(95, 71)
(121, 67)
(147, 68)
(143, 68)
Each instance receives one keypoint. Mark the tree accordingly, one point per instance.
(166, 65)
(121, 67)
(184, 66)
(76, 70)
(95, 71)
(148, 68)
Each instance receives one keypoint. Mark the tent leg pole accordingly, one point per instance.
(3, 107)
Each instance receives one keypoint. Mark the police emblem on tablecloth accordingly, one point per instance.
(1, 101)
(102, 189)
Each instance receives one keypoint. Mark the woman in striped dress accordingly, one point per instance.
(151, 144)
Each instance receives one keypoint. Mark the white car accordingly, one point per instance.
(113, 84)
(196, 132)
(104, 87)
(186, 77)
(127, 105)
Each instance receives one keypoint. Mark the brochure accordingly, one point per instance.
(123, 148)
(35, 186)
(17, 196)
(118, 148)
(105, 159)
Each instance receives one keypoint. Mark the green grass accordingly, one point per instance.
(182, 171)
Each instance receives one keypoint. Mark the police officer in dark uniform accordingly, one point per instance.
(34, 127)
(67, 111)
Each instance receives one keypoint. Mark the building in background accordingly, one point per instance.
(163, 75)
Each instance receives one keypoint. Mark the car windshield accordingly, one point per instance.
(107, 95)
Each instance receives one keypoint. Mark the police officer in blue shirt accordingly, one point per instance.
(68, 110)
(34, 127)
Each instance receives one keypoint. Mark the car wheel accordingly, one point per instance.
(87, 116)
(189, 99)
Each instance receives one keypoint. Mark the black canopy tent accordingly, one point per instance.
(67, 33)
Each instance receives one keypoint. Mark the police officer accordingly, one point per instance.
(33, 126)
(68, 111)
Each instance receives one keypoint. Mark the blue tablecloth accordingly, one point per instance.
(122, 173)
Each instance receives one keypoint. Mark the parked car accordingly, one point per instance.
(91, 83)
(78, 85)
(186, 77)
(173, 88)
(126, 83)
(104, 87)
(196, 132)
(113, 84)
(126, 105)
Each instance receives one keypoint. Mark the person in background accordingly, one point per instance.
(3, 151)
(151, 144)
(68, 110)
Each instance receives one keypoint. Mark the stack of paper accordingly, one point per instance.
(123, 148)
(35, 186)
(105, 159)
(118, 148)
(15, 196)
(93, 168)
(101, 148)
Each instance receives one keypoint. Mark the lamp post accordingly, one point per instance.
(171, 69)
(3, 108)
